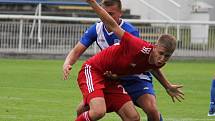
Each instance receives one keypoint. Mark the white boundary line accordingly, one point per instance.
(8, 116)
(184, 119)
(29, 99)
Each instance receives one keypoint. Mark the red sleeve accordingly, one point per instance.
(130, 43)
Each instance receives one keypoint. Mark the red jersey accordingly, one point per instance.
(131, 56)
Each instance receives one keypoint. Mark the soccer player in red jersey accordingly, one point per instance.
(132, 56)
(115, 92)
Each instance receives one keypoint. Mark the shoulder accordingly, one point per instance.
(96, 26)
(91, 29)
(89, 36)
(145, 44)
(128, 26)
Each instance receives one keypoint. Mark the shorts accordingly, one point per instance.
(137, 88)
(115, 96)
(91, 83)
(114, 101)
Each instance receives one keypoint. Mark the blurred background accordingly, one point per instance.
(36, 36)
(53, 27)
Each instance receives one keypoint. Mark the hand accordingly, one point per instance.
(111, 76)
(66, 70)
(175, 92)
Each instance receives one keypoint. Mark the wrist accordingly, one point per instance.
(167, 89)
(168, 86)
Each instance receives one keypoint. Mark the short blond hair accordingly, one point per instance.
(168, 41)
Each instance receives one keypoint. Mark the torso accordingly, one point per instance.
(122, 62)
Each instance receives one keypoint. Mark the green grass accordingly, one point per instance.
(33, 90)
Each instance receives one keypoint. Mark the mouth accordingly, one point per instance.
(159, 63)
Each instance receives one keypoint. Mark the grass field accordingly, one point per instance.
(33, 90)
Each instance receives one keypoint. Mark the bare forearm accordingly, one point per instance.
(160, 77)
(172, 90)
(75, 53)
(72, 57)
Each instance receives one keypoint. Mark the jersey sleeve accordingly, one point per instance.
(129, 43)
(89, 36)
(130, 28)
(135, 33)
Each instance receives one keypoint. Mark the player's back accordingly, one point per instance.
(130, 57)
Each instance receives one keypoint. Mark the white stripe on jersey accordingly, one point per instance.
(86, 116)
(101, 40)
(88, 78)
(91, 79)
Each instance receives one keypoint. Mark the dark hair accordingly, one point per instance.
(111, 3)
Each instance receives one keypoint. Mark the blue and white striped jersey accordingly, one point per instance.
(103, 38)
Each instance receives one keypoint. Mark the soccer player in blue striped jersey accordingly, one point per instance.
(140, 88)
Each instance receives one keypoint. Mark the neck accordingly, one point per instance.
(118, 22)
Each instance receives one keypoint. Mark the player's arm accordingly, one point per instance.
(106, 19)
(87, 39)
(173, 90)
(71, 58)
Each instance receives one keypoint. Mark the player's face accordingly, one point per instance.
(114, 11)
(161, 55)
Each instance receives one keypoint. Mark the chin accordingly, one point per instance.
(159, 64)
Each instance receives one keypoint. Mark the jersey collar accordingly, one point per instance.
(110, 33)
